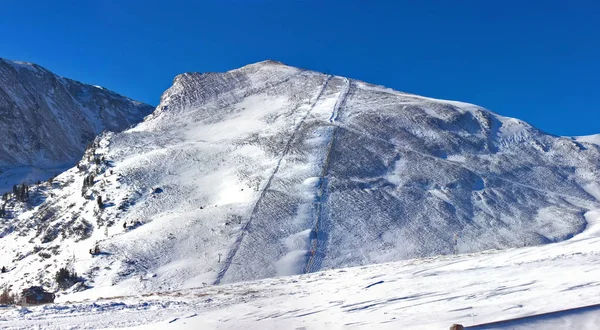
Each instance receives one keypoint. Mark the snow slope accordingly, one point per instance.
(431, 293)
(46, 121)
(593, 139)
(271, 170)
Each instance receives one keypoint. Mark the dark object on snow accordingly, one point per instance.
(66, 278)
(3, 269)
(36, 295)
(457, 327)
(124, 225)
(373, 284)
(95, 251)
(157, 191)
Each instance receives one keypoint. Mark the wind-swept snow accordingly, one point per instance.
(593, 139)
(431, 293)
(270, 170)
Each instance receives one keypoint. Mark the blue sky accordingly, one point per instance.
(535, 60)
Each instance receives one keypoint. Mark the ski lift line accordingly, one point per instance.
(323, 182)
(341, 99)
(231, 254)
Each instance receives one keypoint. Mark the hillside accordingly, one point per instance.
(549, 287)
(271, 170)
(46, 121)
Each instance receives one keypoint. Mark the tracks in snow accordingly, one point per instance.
(236, 245)
(340, 101)
(318, 234)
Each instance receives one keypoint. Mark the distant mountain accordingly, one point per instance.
(46, 120)
(271, 170)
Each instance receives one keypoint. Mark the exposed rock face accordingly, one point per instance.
(46, 120)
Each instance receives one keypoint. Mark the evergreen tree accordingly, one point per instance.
(65, 278)
(21, 192)
(88, 181)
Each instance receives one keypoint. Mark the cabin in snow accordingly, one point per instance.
(36, 295)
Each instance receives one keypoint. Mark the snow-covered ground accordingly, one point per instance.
(431, 293)
(270, 170)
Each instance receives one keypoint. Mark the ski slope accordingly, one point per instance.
(431, 293)
(270, 170)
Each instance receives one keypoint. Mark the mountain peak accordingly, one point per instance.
(19, 65)
(271, 170)
(268, 62)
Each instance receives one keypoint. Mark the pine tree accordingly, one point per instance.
(21, 192)
(65, 278)
(88, 181)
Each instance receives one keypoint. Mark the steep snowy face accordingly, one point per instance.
(271, 170)
(46, 121)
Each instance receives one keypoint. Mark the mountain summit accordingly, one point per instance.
(46, 120)
(273, 170)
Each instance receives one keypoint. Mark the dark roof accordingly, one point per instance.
(34, 290)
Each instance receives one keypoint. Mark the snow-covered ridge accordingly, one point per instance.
(193, 89)
(271, 170)
(593, 139)
(46, 120)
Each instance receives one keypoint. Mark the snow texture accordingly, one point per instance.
(544, 287)
(270, 170)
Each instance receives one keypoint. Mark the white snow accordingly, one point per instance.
(432, 293)
(269, 170)
(593, 139)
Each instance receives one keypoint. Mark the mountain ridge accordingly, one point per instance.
(47, 120)
(271, 170)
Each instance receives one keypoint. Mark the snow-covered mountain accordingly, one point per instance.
(554, 286)
(46, 120)
(271, 170)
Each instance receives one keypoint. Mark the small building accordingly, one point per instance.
(36, 295)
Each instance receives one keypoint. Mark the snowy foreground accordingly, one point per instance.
(432, 293)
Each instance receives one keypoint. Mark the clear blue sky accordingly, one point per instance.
(535, 60)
